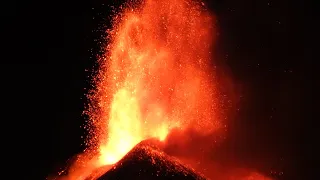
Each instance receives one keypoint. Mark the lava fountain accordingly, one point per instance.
(156, 75)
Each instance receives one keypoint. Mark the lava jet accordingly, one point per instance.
(157, 73)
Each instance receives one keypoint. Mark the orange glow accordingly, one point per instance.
(257, 176)
(155, 76)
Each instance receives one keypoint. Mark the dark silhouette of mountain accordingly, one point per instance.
(147, 161)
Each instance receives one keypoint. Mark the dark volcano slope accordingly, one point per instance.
(146, 161)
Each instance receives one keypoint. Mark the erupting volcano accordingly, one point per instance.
(157, 74)
(155, 77)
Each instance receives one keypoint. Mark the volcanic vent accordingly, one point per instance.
(147, 161)
(157, 74)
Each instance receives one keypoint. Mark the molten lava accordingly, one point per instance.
(155, 76)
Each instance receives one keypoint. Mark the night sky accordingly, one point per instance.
(48, 49)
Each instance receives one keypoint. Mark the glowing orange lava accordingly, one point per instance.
(155, 76)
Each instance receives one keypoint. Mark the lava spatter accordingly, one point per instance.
(155, 76)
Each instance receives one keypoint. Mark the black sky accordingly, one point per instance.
(46, 46)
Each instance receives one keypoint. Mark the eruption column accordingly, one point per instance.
(155, 76)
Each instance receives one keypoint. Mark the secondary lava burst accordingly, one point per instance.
(156, 75)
